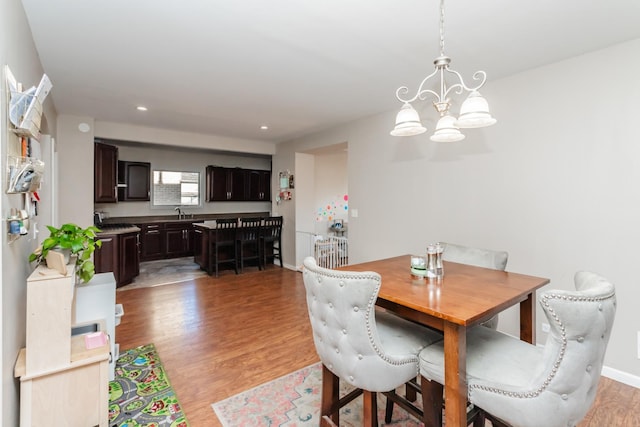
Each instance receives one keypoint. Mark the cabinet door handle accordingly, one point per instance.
(107, 240)
(153, 231)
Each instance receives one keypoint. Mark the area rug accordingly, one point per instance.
(140, 394)
(294, 400)
(165, 272)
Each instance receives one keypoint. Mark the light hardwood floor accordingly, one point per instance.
(218, 337)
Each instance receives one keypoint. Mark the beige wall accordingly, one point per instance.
(18, 52)
(554, 183)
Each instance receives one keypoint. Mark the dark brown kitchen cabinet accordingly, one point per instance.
(129, 244)
(179, 239)
(105, 257)
(225, 184)
(200, 247)
(152, 237)
(259, 185)
(120, 254)
(105, 166)
(237, 184)
(134, 181)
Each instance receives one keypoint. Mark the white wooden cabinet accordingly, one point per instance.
(61, 381)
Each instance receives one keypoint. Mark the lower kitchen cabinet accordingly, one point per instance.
(120, 254)
(200, 247)
(160, 240)
(179, 239)
(129, 245)
(152, 238)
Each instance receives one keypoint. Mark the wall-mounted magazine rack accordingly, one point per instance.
(25, 174)
(25, 113)
(25, 170)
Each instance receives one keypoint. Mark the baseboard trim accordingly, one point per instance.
(620, 376)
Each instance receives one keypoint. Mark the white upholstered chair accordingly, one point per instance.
(496, 260)
(370, 349)
(519, 384)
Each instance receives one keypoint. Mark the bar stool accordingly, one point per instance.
(270, 237)
(247, 241)
(222, 242)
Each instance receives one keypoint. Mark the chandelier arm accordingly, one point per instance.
(421, 93)
(478, 75)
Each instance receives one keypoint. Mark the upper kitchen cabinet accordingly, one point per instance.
(134, 181)
(105, 173)
(259, 185)
(226, 184)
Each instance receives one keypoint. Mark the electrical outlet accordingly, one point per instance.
(546, 329)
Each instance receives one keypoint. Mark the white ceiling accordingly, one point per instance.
(298, 66)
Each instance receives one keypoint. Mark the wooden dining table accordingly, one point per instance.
(465, 296)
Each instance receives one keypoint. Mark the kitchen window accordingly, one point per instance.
(172, 188)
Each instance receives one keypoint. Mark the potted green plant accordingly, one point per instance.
(80, 242)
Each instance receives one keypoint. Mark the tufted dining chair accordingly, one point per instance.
(370, 349)
(496, 260)
(519, 384)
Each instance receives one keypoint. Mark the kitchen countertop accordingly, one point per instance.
(118, 229)
(174, 218)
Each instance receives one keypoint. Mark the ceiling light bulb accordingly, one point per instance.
(264, 127)
(141, 108)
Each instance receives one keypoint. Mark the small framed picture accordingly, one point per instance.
(291, 182)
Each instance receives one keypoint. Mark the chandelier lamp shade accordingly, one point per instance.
(474, 111)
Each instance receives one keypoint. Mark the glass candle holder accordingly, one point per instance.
(418, 265)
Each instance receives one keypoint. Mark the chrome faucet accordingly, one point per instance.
(180, 214)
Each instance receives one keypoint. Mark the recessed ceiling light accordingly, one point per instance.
(141, 108)
(264, 127)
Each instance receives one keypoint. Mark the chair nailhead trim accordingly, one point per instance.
(320, 272)
(545, 302)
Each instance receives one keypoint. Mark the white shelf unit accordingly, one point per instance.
(95, 301)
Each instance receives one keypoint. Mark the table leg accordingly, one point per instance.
(528, 319)
(455, 375)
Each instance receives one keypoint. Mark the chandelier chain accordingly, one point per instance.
(441, 27)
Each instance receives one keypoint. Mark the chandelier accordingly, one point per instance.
(474, 111)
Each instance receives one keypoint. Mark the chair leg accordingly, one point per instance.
(370, 408)
(479, 419)
(330, 395)
(209, 260)
(258, 253)
(410, 392)
(216, 260)
(388, 411)
(432, 397)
